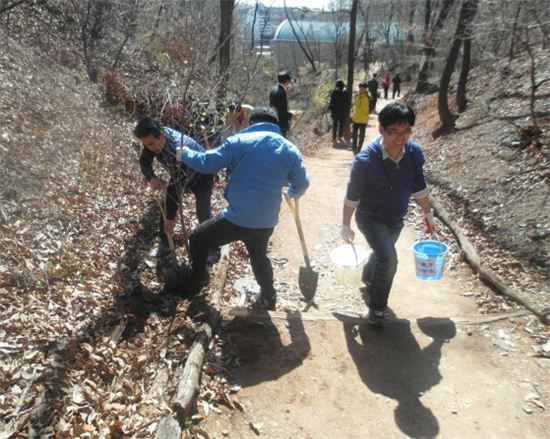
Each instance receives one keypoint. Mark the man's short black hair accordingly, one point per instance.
(263, 114)
(374, 75)
(363, 84)
(147, 127)
(283, 77)
(396, 113)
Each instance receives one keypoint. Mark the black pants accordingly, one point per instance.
(202, 190)
(338, 121)
(358, 131)
(396, 91)
(217, 232)
(386, 92)
(284, 128)
(374, 96)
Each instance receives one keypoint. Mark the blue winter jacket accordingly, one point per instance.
(384, 187)
(259, 162)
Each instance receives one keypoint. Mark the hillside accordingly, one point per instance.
(495, 179)
(87, 338)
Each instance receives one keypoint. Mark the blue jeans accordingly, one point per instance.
(381, 267)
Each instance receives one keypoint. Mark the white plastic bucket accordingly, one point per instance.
(348, 264)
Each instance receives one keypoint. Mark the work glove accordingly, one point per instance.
(179, 150)
(347, 234)
(429, 223)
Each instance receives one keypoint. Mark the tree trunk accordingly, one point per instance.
(514, 32)
(351, 47)
(463, 79)
(467, 14)
(390, 18)
(367, 55)
(428, 41)
(412, 13)
(254, 25)
(226, 10)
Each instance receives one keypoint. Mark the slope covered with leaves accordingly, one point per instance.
(494, 177)
(84, 334)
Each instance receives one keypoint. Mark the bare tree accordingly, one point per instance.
(5, 5)
(464, 70)
(467, 14)
(428, 40)
(226, 17)
(340, 31)
(301, 39)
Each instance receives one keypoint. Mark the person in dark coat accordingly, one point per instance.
(278, 100)
(339, 110)
(372, 85)
(396, 86)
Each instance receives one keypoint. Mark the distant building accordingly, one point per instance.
(324, 40)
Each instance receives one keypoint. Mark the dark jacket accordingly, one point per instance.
(339, 102)
(372, 85)
(179, 173)
(277, 100)
(382, 187)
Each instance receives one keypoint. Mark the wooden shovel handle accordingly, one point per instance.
(295, 210)
(169, 236)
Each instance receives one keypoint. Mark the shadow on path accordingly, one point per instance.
(257, 350)
(391, 362)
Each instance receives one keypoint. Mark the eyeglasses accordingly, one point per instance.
(395, 133)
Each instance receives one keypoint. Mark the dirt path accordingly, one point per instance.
(422, 376)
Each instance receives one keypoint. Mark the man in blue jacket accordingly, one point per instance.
(160, 143)
(384, 176)
(259, 163)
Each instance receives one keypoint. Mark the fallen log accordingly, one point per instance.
(485, 273)
(189, 384)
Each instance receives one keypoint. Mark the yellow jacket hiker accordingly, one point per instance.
(360, 118)
(361, 108)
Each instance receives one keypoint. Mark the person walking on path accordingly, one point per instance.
(259, 162)
(383, 178)
(386, 85)
(396, 86)
(339, 110)
(360, 117)
(278, 100)
(236, 118)
(373, 90)
(160, 143)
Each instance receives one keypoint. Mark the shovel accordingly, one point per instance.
(171, 271)
(307, 278)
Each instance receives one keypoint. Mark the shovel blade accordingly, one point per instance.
(174, 277)
(307, 281)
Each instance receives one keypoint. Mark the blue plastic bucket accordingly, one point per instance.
(429, 259)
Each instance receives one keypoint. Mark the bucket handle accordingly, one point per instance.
(434, 234)
(355, 253)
